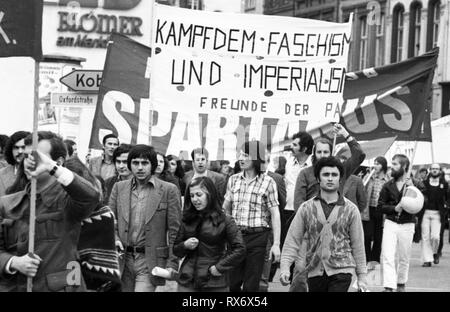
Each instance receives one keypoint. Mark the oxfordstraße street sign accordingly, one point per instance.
(83, 80)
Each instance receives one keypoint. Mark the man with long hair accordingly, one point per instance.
(252, 201)
(14, 153)
(372, 217)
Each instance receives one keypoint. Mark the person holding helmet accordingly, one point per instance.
(398, 229)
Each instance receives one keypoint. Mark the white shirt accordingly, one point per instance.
(293, 168)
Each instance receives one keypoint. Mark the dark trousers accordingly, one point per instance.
(247, 275)
(368, 238)
(376, 217)
(334, 283)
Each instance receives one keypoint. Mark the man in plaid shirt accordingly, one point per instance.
(252, 200)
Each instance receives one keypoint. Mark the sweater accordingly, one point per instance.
(334, 245)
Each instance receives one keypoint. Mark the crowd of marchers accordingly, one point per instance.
(136, 220)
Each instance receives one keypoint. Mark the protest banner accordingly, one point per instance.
(21, 28)
(125, 109)
(233, 65)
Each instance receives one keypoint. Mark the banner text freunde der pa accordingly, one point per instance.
(213, 65)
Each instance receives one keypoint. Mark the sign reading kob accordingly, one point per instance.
(231, 66)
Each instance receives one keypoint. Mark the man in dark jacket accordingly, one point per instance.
(433, 214)
(398, 229)
(63, 201)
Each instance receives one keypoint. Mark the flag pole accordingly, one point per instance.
(31, 228)
(152, 64)
(431, 143)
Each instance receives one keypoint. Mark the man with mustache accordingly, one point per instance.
(398, 229)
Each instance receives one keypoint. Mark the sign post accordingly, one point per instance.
(83, 80)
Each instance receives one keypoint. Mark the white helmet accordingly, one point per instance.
(412, 201)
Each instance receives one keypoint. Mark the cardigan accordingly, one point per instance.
(334, 245)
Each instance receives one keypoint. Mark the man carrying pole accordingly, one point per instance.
(63, 200)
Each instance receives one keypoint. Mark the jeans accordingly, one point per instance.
(247, 275)
(136, 277)
(431, 228)
(396, 238)
(368, 238)
(334, 283)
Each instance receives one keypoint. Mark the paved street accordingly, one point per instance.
(434, 279)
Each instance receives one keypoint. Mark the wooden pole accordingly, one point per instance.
(152, 64)
(431, 143)
(31, 228)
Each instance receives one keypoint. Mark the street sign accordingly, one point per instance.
(83, 80)
(73, 99)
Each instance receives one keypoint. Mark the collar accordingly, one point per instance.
(307, 163)
(150, 181)
(242, 177)
(339, 202)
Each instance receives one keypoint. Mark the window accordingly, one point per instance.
(433, 23)
(379, 42)
(250, 4)
(397, 34)
(414, 28)
(363, 42)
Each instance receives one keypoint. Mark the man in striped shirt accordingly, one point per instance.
(252, 200)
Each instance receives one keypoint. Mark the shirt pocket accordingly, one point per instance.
(49, 226)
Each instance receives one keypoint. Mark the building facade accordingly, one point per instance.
(385, 32)
(253, 7)
(414, 27)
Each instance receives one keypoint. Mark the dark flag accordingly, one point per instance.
(21, 28)
(126, 84)
(388, 101)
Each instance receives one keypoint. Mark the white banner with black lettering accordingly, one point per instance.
(225, 65)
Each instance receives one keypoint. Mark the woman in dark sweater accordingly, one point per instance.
(209, 240)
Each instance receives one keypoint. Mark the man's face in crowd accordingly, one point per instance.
(295, 145)
(329, 179)
(245, 161)
(141, 168)
(121, 165)
(110, 146)
(435, 170)
(18, 150)
(200, 163)
(43, 146)
(160, 167)
(397, 171)
(322, 150)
